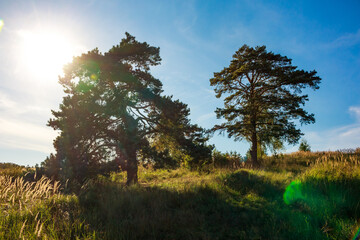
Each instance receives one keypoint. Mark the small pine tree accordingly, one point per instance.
(304, 146)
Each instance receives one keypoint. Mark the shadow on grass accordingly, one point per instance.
(244, 182)
(249, 207)
(154, 213)
(323, 209)
(333, 197)
(242, 205)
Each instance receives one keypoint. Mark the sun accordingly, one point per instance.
(44, 53)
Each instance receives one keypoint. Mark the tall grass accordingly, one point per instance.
(295, 196)
(330, 193)
(16, 193)
(301, 161)
(37, 210)
(227, 204)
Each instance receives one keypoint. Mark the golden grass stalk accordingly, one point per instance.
(16, 193)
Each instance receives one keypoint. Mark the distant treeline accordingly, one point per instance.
(10, 165)
(14, 170)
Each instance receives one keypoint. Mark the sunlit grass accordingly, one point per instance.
(16, 194)
(37, 210)
(182, 204)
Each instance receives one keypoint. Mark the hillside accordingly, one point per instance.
(294, 196)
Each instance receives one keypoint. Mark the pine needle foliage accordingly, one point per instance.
(262, 97)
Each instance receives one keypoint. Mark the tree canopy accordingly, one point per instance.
(263, 97)
(113, 109)
(304, 146)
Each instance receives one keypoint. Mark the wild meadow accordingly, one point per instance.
(302, 195)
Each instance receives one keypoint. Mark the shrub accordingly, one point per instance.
(304, 146)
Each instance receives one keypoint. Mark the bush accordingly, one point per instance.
(227, 160)
(14, 170)
(219, 159)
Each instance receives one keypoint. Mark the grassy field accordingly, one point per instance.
(294, 196)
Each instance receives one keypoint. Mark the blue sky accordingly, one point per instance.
(196, 39)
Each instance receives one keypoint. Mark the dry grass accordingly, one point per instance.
(301, 161)
(18, 194)
(38, 210)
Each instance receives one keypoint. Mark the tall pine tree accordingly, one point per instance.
(112, 109)
(262, 97)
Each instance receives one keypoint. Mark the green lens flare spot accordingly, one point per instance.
(357, 235)
(293, 192)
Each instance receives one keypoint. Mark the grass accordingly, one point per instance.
(37, 210)
(16, 194)
(295, 196)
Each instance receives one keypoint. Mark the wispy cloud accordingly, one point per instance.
(188, 18)
(355, 110)
(338, 138)
(205, 117)
(346, 40)
(23, 135)
(22, 126)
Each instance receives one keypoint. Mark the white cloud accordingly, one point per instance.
(334, 139)
(22, 125)
(341, 137)
(23, 135)
(354, 110)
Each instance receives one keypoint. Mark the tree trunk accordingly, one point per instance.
(254, 146)
(131, 168)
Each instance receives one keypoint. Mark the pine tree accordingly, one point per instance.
(262, 96)
(112, 109)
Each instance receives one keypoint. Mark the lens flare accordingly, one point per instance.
(357, 235)
(1, 24)
(94, 77)
(293, 192)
